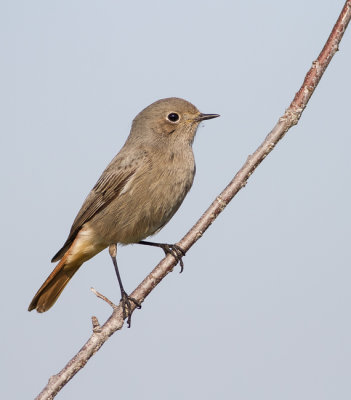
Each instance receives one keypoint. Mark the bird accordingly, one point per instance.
(137, 194)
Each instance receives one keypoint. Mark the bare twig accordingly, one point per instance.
(102, 297)
(291, 117)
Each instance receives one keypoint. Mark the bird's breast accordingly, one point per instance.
(149, 200)
(169, 182)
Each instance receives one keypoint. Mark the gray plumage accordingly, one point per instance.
(137, 194)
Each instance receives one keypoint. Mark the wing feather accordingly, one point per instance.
(107, 188)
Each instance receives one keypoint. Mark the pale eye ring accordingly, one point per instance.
(173, 117)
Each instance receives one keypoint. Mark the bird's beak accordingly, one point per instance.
(202, 117)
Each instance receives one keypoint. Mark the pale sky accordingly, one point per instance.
(262, 310)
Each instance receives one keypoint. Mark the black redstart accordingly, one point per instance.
(136, 195)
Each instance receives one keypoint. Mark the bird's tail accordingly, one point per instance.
(51, 289)
(85, 245)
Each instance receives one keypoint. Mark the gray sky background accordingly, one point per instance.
(262, 310)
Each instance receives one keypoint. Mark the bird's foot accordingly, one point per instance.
(127, 306)
(177, 252)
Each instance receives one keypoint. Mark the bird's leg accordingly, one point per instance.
(177, 252)
(125, 299)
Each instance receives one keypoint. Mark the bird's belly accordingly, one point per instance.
(144, 208)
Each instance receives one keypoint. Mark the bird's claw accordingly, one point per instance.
(127, 307)
(177, 252)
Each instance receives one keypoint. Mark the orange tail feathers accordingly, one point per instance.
(51, 289)
(84, 246)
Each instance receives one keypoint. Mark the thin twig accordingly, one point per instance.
(104, 298)
(290, 118)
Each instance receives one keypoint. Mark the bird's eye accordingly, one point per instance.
(173, 117)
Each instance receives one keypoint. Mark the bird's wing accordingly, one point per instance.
(107, 188)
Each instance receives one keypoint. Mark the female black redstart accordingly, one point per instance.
(136, 195)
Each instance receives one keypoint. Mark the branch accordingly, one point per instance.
(290, 117)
